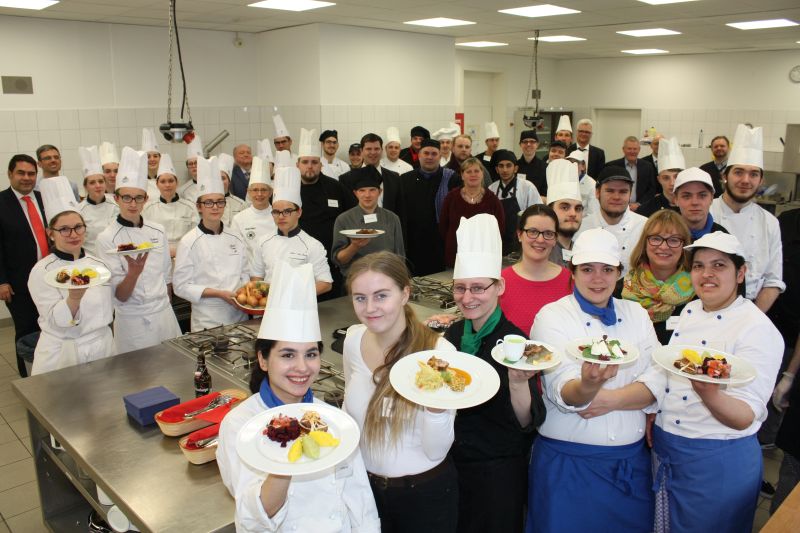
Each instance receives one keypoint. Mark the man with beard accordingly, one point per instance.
(757, 229)
(392, 160)
(411, 154)
(529, 166)
(693, 194)
(462, 150)
(720, 146)
(332, 166)
(390, 197)
(565, 199)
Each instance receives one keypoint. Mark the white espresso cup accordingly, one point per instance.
(513, 347)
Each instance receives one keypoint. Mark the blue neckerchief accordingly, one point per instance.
(271, 400)
(696, 234)
(607, 315)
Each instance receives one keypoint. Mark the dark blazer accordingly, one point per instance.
(406, 155)
(646, 185)
(716, 177)
(239, 183)
(649, 159)
(392, 198)
(597, 159)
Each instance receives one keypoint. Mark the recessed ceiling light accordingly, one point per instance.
(439, 22)
(645, 51)
(652, 32)
(481, 44)
(28, 4)
(292, 5)
(544, 10)
(557, 39)
(762, 24)
(663, 2)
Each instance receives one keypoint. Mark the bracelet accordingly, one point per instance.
(788, 375)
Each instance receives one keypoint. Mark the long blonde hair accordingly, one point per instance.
(382, 432)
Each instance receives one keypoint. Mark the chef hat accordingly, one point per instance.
(57, 197)
(226, 163)
(195, 148)
(149, 143)
(328, 133)
(132, 169)
(283, 158)
(446, 133)
(596, 245)
(670, 155)
(693, 174)
(719, 240)
(309, 145)
(264, 151)
(392, 135)
(564, 124)
(259, 172)
(366, 176)
(564, 190)
(287, 185)
(490, 131)
(561, 170)
(209, 180)
(748, 147)
(577, 155)
(90, 161)
(165, 165)
(480, 248)
(108, 153)
(280, 127)
(291, 314)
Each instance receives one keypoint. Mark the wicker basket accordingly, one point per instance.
(176, 429)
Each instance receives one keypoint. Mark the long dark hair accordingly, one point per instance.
(536, 210)
(265, 346)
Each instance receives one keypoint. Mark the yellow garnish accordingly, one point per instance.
(692, 356)
(296, 451)
(145, 245)
(323, 438)
(90, 272)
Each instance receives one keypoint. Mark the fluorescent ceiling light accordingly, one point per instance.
(652, 32)
(292, 5)
(557, 39)
(481, 44)
(28, 4)
(439, 22)
(664, 2)
(645, 51)
(544, 10)
(762, 24)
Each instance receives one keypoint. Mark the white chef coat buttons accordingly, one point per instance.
(588, 324)
(641, 430)
(678, 422)
(719, 317)
(685, 398)
(703, 342)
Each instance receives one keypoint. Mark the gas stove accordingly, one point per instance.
(432, 292)
(231, 351)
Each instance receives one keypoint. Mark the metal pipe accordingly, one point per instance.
(213, 143)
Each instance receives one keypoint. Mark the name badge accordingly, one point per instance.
(343, 470)
(368, 219)
(523, 176)
(487, 157)
(333, 203)
(672, 322)
(566, 255)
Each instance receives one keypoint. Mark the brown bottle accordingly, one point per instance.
(202, 379)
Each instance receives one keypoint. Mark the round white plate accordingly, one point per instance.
(499, 356)
(103, 275)
(741, 370)
(135, 252)
(353, 234)
(632, 353)
(485, 380)
(265, 455)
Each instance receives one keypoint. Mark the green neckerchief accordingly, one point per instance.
(470, 341)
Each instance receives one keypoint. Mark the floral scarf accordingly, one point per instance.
(660, 298)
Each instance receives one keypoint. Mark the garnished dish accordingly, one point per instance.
(602, 350)
(282, 429)
(77, 277)
(252, 297)
(694, 363)
(436, 373)
(308, 434)
(367, 231)
(131, 248)
(537, 355)
(703, 363)
(362, 233)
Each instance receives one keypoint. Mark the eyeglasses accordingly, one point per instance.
(672, 242)
(66, 231)
(285, 212)
(547, 234)
(127, 198)
(212, 203)
(475, 289)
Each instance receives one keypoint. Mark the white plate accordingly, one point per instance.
(499, 356)
(741, 370)
(103, 275)
(353, 234)
(265, 455)
(155, 246)
(632, 353)
(485, 380)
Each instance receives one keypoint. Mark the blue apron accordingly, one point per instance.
(583, 487)
(707, 484)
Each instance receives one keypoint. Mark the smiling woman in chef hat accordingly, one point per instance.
(603, 456)
(289, 348)
(74, 321)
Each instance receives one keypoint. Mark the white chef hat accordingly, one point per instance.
(280, 127)
(291, 314)
(149, 142)
(195, 148)
(132, 169)
(90, 161)
(670, 155)
(209, 180)
(748, 147)
(719, 240)
(561, 170)
(564, 124)
(57, 197)
(226, 163)
(692, 174)
(577, 155)
(596, 245)
(283, 158)
(287, 185)
(264, 151)
(259, 171)
(446, 133)
(108, 153)
(392, 135)
(480, 248)
(490, 131)
(165, 165)
(309, 144)
(564, 190)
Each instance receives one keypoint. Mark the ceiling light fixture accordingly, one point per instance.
(762, 24)
(544, 10)
(439, 22)
(665, 2)
(481, 44)
(645, 51)
(292, 5)
(28, 4)
(557, 39)
(652, 32)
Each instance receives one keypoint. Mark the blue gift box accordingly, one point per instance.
(142, 406)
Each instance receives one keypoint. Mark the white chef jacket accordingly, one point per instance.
(207, 260)
(253, 225)
(233, 206)
(760, 234)
(153, 194)
(188, 191)
(335, 168)
(587, 186)
(740, 329)
(297, 249)
(627, 231)
(67, 341)
(97, 217)
(420, 449)
(562, 321)
(399, 166)
(527, 194)
(335, 500)
(178, 217)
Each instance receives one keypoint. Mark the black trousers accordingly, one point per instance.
(26, 320)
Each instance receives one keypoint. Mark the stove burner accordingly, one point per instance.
(334, 397)
(433, 291)
(220, 344)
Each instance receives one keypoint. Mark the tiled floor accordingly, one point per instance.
(19, 497)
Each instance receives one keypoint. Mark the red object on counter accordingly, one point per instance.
(175, 413)
(201, 434)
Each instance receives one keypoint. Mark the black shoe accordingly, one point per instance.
(767, 490)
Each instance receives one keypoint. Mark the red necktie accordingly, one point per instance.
(38, 228)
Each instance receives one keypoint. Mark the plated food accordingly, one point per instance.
(131, 248)
(692, 362)
(602, 349)
(699, 363)
(252, 297)
(363, 233)
(367, 231)
(437, 373)
(283, 429)
(537, 355)
(77, 277)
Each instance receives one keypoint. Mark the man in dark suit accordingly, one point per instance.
(240, 180)
(22, 243)
(642, 172)
(652, 157)
(596, 156)
(391, 198)
(720, 147)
